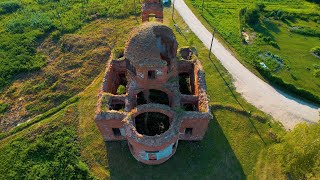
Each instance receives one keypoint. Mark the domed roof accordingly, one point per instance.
(150, 43)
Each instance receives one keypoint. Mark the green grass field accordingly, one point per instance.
(71, 59)
(229, 150)
(299, 66)
(64, 142)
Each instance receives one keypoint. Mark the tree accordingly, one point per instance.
(252, 16)
(121, 90)
(299, 152)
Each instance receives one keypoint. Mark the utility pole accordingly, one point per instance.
(211, 42)
(135, 9)
(202, 5)
(172, 9)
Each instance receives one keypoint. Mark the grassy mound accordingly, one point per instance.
(72, 63)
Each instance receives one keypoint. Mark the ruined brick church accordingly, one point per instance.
(165, 97)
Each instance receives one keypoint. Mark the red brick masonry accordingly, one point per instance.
(157, 81)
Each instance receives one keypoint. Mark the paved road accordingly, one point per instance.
(282, 107)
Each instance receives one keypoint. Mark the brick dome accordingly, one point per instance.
(151, 44)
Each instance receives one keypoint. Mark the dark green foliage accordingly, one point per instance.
(117, 53)
(52, 154)
(28, 21)
(287, 86)
(316, 51)
(3, 107)
(298, 152)
(305, 31)
(269, 40)
(9, 7)
(121, 90)
(314, 1)
(252, 16)
(316, 71)
(26, 28)
(260, 6)
(301, 158)
(274, 44)
(277, 14)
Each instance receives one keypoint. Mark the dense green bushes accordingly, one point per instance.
(3, 107)
(8, 7)
(295, 156)
(118, 53)
(314, 1)
(51, 154)
(290, 87)
(28, 26)
(251, 16)
(28, 21)
(305, 31)
(316, 51)
(121, 90)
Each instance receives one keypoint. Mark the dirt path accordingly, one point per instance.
(288, 110)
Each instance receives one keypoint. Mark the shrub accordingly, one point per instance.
(252, 16)
(314, 1)
(301, 159)
(290, 87)
(121, 90)
(104, 103)
(49, 152)
(305, 31)
(260, 6)
(274, 44)
(29, 21)
(3, 108)
(316, 51)
(316, 73)
(118, 53)
(295, 156)
(9, 7)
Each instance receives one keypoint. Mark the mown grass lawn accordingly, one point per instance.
(300, 65)
(229, 150)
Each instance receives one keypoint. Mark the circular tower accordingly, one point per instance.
(165, 97)
(152, 92)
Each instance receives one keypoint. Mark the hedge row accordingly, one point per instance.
(40, 117)
(290, 87)
(306, 31)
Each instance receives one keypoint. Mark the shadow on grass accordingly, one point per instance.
(177, 28)
(263, 30)
(235, 98)
(271, 26)
(210, 158)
